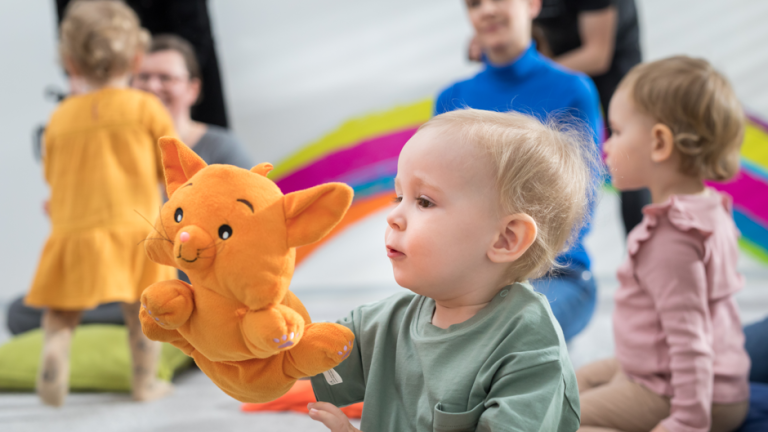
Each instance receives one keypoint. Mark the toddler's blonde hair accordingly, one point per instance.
(700, 108)
(101, 38)
(549, 171)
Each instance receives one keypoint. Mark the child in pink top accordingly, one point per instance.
(680, 362)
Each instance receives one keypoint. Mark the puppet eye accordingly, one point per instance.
(179, 215)
(225, 232)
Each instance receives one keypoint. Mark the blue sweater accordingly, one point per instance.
(535, 85)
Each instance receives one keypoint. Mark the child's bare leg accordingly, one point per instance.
(622, 405)
(53, 374)
(596, 374)
(145, 356)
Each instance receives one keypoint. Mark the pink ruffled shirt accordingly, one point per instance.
(676, 324)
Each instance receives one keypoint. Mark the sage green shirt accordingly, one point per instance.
(505, 369)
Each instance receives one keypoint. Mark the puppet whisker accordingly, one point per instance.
(153, 227)
(154, 238)
(213, 245)
(161, 222)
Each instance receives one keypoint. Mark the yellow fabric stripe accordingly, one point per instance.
(755, 146)
(354, 131)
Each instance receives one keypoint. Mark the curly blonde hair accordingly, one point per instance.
(548, 170)
(699, 106)
(101, 38)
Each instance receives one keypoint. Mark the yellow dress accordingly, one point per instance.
(103, 165)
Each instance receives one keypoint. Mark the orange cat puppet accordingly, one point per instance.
(234, 233)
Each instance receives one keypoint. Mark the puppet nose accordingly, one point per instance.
(184, 237)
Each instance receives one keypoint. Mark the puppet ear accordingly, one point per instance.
(180, 163)
(262, 168)
(312, 213)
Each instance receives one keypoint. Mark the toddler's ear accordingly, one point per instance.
(517, 234)
(180, 163)
(663, 143)
(312, 213)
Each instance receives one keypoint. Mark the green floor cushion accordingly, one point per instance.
(99, 360)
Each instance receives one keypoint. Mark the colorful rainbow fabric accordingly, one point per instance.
(363, 153)
(749, 190)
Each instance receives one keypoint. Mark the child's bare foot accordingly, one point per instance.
(52, 379)
(151, 390)
(53, 373)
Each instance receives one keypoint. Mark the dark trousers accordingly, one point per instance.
(757, 347)
(22, 318)
(632, 203)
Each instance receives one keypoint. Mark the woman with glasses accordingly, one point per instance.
(170, 71)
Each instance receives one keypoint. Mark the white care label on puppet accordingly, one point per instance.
(332, 377)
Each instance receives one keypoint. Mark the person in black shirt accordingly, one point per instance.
(602, 39)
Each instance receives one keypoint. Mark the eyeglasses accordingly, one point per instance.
(165, 80)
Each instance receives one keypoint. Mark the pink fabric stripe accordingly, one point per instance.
(763, 125)
(748, 192)
(370, 173)
(337, 164)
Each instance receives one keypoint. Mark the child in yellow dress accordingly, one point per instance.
(103, 166)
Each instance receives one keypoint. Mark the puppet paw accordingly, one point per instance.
(324, 346)
(153, 331)
(285, 341)
(337, 342)
(169, 304)
(274, 329)
(288, 334)
(344, 352)
(152, 316)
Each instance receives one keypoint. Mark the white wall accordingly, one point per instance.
(295, 70)
(731, 34)
(28, 65)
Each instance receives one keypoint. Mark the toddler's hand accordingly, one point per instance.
(331, 417)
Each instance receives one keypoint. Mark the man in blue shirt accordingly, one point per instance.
(517, 78)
